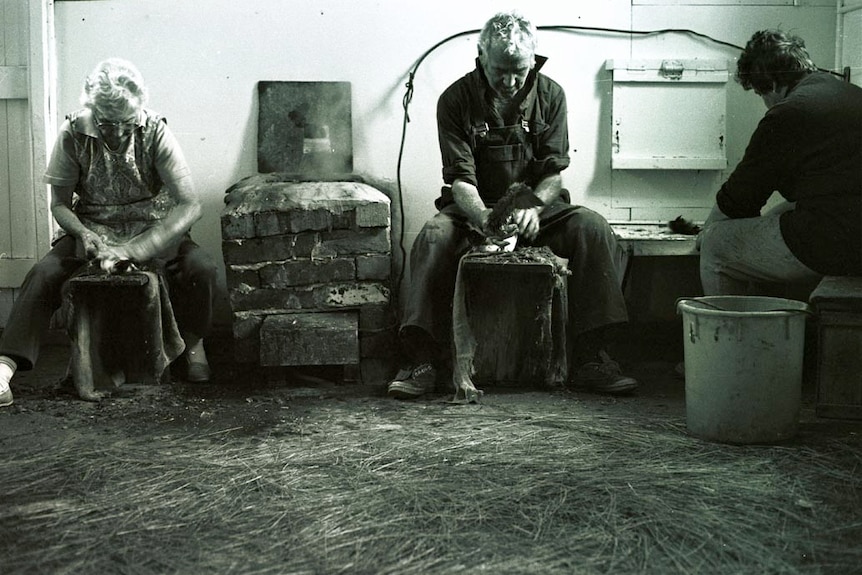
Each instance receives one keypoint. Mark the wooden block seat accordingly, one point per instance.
(122, 329)
(516, 306)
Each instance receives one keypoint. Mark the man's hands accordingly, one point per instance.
(519, 207)
(527, 221)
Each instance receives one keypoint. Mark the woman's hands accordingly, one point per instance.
(93, 245)
(111, 258)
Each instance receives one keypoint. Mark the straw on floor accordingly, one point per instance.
(432, 488)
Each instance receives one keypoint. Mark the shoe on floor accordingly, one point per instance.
(603, 376)
(414, 382)
(6, 398)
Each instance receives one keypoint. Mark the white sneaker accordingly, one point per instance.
(6, 398)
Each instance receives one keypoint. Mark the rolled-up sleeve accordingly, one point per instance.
(551, 155)
(455, 149)
(63, 167)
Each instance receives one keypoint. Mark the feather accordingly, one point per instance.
(518, 196)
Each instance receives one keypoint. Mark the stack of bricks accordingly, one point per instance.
(308, 267)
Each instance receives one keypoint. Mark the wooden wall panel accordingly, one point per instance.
(19, 241)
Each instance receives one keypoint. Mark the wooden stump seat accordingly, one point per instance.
(122, 330)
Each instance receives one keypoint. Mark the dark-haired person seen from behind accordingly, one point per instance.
(505, 123)
(121, 192)
(807, 147)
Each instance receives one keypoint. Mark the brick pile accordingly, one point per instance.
(308, 267)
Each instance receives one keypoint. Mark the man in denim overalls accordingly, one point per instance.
(503, 123)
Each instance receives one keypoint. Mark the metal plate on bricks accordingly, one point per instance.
(322, 338)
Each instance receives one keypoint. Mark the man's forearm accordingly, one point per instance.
(467, 197)
(549, 188)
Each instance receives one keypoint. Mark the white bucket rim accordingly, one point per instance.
(783, 307)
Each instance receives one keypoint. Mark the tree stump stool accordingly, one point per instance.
(117, 326)
(516, 304)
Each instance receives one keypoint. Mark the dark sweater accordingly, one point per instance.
(808, 147)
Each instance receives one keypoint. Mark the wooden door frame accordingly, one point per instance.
(36, 83)
(43, 112)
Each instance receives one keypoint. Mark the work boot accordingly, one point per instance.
(603, 376)
(414, 382)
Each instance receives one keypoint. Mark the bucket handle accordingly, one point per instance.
(805, 310)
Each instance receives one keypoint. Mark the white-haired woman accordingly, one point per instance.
(121, 192)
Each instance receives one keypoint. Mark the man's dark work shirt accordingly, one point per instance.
(468, 97)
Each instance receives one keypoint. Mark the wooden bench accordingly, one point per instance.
(653, 239)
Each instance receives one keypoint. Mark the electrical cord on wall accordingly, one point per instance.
(408, 98)
(405, 103)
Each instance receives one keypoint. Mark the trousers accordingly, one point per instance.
(191, 278)
(583, 237)
(738, 255)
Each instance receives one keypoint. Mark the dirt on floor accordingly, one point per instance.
(250, 399)
(242, 399)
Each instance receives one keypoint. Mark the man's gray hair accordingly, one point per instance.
(510, 32)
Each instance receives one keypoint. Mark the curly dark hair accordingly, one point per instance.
(773, 58)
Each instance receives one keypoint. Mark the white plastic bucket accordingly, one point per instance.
(743, 367)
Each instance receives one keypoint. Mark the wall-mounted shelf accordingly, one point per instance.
(668, 114)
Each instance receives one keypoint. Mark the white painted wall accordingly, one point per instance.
(202, 60)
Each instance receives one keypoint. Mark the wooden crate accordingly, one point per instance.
(838, 304)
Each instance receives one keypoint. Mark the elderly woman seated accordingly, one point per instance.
(122, 194)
